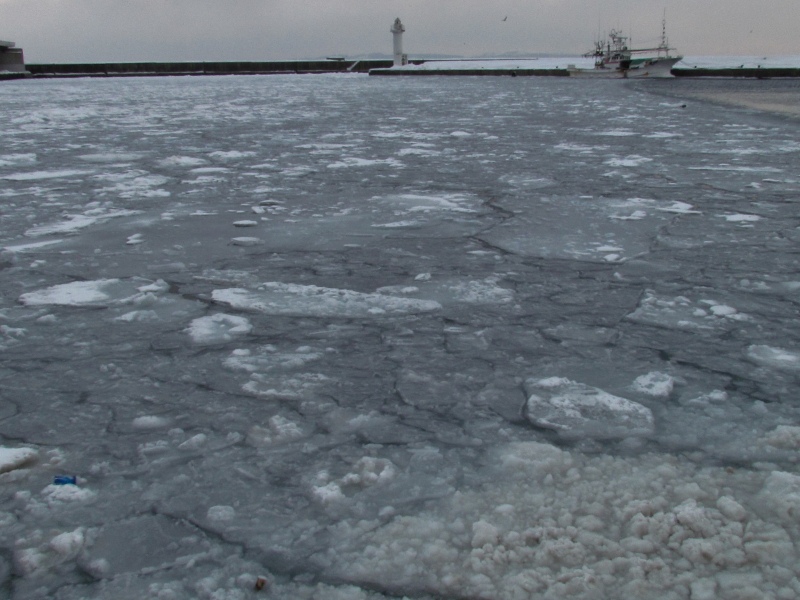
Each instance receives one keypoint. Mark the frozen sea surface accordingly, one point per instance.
(495, 338)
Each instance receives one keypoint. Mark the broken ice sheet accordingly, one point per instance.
(577, 410)
(102, 292)
(294, 299)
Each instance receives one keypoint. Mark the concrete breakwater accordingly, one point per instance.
(489, 72)
(333, 65)
(153, 69)
(743, 72)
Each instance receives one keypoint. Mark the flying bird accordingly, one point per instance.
(505, 18)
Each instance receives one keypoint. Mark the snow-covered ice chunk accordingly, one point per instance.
(776, 358)
(352, 161)
(31, 247)
(367, 472)
(741, 218)
(781, 493)
(99, 292)
(68, 544)
(427, 203)
(7, 160)
(784, 436)
(274, 373)
(55, 495)
(279, 430)
(221, 513)
(73, 223)
(534, 458)
(77, 293)
(218, 328)
(136, 184)
(245, 223)
(731, 509)
(231, 154)
(61, 548)
(679, 208)
(16, 458)
(309, 300)
(398, 224)
(182, 161)
(37, 175)
(416, 151)
(268, 358)
(150, 422)
(681, 313)
(654, 384)
(481, 292)
(327, 493)
(195, 442)
(628, 161)
(111, 157)
(722, 310)
(579, 410)
(246, 241)
(617, 133)
(138, 316)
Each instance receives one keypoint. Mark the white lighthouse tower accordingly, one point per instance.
(397, 35)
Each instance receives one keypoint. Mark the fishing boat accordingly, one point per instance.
(615, 56)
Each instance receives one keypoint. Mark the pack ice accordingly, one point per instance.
(342, 337)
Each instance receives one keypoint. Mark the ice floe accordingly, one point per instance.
(578, 410)
(776, 358)
(310, 300)
(218, 329)
(682, 313)
(74, 223)
(38, 175)
(101, 292)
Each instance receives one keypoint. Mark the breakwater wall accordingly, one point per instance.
(13, 66)
(155, 69)
(738, 72)
(462, 72)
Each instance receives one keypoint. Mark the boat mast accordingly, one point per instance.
(664, 42)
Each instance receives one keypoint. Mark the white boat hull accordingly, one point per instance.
(655, 67)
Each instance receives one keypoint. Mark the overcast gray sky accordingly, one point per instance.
(177, 30)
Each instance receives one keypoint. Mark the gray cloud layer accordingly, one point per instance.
(130, 30)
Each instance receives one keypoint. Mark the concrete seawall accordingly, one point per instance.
(14, 67)
(488, 72)
(743, 72)
(155, 69)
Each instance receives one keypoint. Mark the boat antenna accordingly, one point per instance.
(664, 42)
